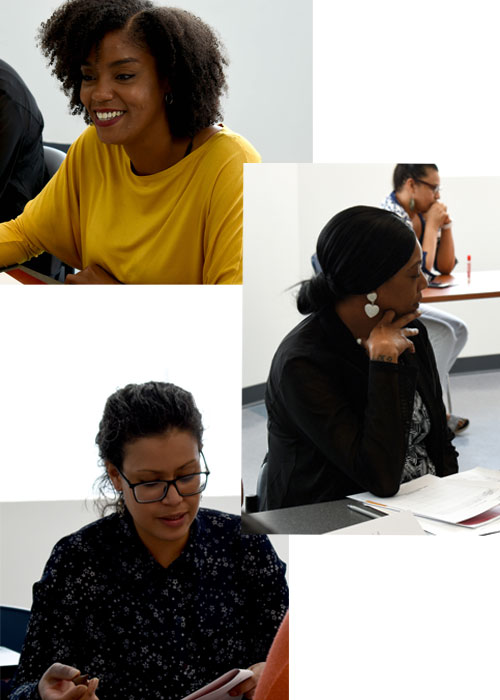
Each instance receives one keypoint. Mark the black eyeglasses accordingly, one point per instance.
(435, 188)
(151, 491)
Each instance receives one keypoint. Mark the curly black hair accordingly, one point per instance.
(187, 52)
(142, 410)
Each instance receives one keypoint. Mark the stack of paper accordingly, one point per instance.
(465, 503)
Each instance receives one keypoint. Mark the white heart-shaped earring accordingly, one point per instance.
(371, 309)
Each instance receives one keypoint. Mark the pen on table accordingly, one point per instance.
(468, 268)
(369, 513)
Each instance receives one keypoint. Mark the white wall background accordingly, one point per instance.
(409, 83)
(286, 207)
(393, 617)
(68, 349)
(270, 73)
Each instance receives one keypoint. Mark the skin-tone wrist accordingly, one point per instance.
(445, 258)
(383, 352)
(429, 244)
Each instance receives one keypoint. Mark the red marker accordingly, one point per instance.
(468, 268)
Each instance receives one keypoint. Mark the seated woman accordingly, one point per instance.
(152, 193)
(353, 396)
(160, 597)
(415, 199)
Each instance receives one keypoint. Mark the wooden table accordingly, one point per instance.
(483, 285)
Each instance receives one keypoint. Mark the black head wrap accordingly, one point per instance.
(358, 250)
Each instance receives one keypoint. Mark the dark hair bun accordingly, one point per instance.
(314, 294)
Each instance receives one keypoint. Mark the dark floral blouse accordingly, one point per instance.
(105, 606)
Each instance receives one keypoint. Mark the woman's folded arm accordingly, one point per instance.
(369, 447)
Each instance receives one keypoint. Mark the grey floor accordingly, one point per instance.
(475, 395)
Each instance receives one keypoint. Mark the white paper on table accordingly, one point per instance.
(8, 657)
(7, 279)
(436, 527)
(450, 500)
(402, 523)
(477, 474)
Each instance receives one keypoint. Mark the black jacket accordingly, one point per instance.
(22, 164)
(338, 423)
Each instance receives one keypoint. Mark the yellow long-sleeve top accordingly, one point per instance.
(182, 225)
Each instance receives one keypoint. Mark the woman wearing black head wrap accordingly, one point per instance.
(353, 396)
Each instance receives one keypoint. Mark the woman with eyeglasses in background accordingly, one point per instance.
(416, 200)
(160, 597)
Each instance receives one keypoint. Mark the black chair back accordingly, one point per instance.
(13, 626)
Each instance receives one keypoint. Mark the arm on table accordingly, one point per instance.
(445, 259)
(367, 441)
(437, 252)
(93, 274)
(368, 444)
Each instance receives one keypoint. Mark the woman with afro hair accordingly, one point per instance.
(152, 192)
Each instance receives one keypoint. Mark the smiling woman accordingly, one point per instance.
(152, 193)
(162, 596)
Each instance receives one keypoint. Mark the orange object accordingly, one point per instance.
(273, 684)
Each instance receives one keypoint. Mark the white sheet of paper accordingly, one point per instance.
(477, 474)
(8, 657)
(449, 499)
(402, 523)
(7, 279)
(436, 527)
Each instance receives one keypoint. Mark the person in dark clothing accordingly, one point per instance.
(161, 597)
(22, 167)
(23, 173)
(353, 396)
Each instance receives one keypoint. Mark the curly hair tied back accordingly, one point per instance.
(142, 410)
(188, 54)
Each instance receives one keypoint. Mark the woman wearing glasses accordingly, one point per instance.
(415, 199)
(160, 597)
